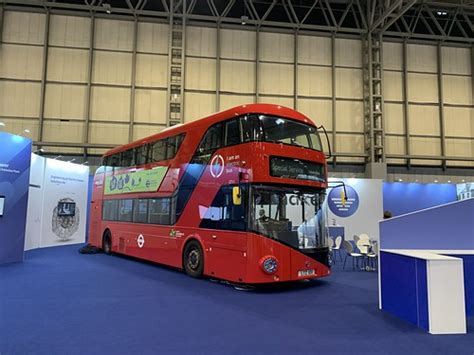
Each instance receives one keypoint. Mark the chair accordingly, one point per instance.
(364, 247)
(330, 243)
(331, 247)
(350, 252)
(337, 247)
(374, 255)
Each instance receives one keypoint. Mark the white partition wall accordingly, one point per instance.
(53, 183)
(362, 210)
(34, 217)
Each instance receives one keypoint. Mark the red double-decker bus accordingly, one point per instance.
(236, 196)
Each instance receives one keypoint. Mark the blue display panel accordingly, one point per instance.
(15, 155)
(404, 288)
(445, 227)
(400, 198)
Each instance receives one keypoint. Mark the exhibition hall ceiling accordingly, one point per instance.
(438, 20)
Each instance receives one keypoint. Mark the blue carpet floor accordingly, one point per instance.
(61, 302)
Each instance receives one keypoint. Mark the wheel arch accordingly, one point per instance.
(192, 237)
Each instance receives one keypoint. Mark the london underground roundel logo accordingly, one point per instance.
(217, 166)
(141, 241)
(343, 207)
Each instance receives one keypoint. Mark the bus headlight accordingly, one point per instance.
(269, 264)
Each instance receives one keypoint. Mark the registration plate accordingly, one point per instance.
(303, 273)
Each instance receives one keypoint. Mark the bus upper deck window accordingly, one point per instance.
(159, 150)
(212, 140)
(114, 160)
(127, 158)
(232, 132)
(251, 129)
(141, 154)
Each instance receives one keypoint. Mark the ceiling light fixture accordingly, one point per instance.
(244, 19)
(107, 7)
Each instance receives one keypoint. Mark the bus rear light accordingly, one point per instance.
(269, 264)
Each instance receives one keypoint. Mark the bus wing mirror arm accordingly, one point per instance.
(327, 139)
(338, 184)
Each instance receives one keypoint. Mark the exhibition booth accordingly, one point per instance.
(43, 202)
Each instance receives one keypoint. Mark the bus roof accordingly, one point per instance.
(205, 122)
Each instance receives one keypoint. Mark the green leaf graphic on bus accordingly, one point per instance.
(136, 181)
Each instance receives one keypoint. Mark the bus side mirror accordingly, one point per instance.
(236, 198)
(327, 139)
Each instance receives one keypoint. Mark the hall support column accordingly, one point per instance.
(376, 166)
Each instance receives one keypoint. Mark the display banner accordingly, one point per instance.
(361, 209)
(64, 206)
(135, 181)
(15, 152)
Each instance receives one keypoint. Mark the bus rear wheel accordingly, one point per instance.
(193, 259)
(107, 243)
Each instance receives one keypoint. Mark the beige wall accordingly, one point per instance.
(423, 110)
(221, 75)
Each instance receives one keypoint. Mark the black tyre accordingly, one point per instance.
(107, 243)
(193, 259)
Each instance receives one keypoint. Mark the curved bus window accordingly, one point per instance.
(173, 144)
(209, 144)
(281, 130)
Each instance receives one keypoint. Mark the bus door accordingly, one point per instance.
(225, 228)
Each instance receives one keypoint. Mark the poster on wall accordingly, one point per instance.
(361, 209)
(465, 191)
(65, 208)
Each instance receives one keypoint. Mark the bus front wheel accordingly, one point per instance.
(193, 259)
(107, 243)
